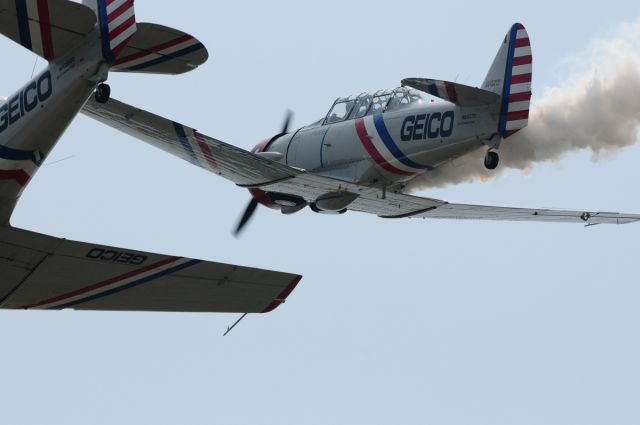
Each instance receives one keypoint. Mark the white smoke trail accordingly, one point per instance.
(597, 110)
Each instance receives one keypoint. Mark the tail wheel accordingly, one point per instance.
(491, 160)
(103, 93)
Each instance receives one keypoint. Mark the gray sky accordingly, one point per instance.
(406, 322)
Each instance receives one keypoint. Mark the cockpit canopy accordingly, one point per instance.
(347, 108)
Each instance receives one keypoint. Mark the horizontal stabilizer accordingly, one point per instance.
(50, 28)
(453, 92)
(157, 49)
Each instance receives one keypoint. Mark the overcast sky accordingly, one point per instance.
(403, 322)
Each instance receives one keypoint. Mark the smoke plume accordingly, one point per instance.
(596, 110)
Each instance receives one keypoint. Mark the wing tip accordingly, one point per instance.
(282, 297)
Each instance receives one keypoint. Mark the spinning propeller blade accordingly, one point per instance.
(248, 213)
(251, 208)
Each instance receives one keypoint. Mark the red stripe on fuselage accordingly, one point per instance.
(373, 152)
(45, 29)
(19, 176)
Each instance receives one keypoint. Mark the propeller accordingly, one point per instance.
(285, 124)
(248, 213)
(253, 204)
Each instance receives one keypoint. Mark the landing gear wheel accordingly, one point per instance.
(491, 160)
(315, 209)
(103, 93)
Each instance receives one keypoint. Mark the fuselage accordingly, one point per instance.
(33, 119)
(388, 148)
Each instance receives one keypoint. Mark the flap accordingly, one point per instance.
(453, 92)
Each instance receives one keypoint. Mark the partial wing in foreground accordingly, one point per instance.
(43, 272)
(252, 171)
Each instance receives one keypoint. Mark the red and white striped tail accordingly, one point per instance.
(517, 90)
(118, 25)
(510, 77)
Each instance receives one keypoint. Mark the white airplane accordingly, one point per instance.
(82, 43)
(363, 152)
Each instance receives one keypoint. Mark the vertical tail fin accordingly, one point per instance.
(510, 77)
(117, 24)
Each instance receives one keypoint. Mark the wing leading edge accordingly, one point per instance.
(252, 171)
(43, 272)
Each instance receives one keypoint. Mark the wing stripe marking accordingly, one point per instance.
(154, 49)
(167, 58)
(184, 141)
(115, 284)
(373, 152)
(23, 24)
(45, 29)
(392, 146)
(206, 151)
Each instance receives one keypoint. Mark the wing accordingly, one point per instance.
(43, 272)
(48, 28)
(252, 171)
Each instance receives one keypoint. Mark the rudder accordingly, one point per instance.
(510, 76)
(117, 25)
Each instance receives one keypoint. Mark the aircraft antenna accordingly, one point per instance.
(60, 160)
(33, 71)
(230, 328)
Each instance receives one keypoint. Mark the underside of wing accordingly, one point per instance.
(486, 212)
(43, 272)
(48, 28)
(158, 49)
(235, 164)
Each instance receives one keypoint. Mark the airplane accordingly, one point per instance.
(83, 43)
(363, 152)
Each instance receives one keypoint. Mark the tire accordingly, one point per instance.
(491, 160)
(103, 93)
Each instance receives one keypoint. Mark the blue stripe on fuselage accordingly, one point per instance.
(391, 145)
(23, 24)
(184, 141)
(20, 155)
